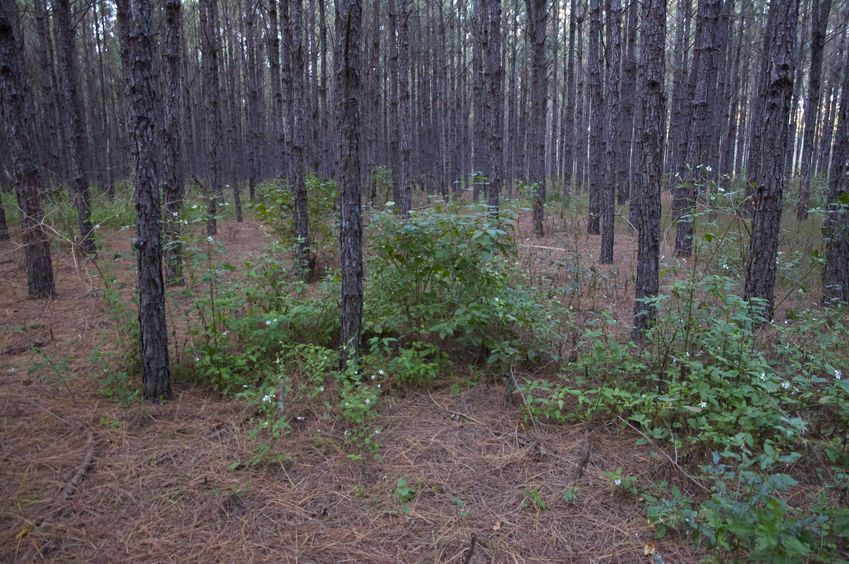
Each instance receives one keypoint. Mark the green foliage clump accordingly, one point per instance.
(441, 276)
(275, 208)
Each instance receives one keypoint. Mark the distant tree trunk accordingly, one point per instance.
(392, 105)
(536, 10)
(349, 36)
(653, 99)
(567, 124)
(820, 10)
(611, 130)
(173, 186)
(581, 139)
(253, 80)
(696, 168)
(212, 103)
(72, 110)
(16, 117)
(628, 99)
(153, 334)
(55, 164)
(679, 122)
(778, 50)
(278, 112)
(596, 170)
(835, 276)
(304, 259)
(405, 111)
(494, 102)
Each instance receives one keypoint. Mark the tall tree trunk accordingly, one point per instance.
(253, 80)
(405, 112)
(17, 121)
(212, 103)
(820, 10)
(778, 52)
(173, 186)
(536, 10)
(653, 100)
(596, 170)
(835, 275)
(696, 169)
(74, 126)
(567, 124)
(494, 101)
(348, 35)
(304, 259)
(153, 332)
(611, 129)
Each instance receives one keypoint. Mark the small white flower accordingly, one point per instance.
(617, 481)
(194, 206)
(838, 374)
(209, 239)
(197, 359)
(372, 376)
(97, 226)
(225, 333)
(703, 404)
(321, 388)
(378, 386)
(381, 372)
(266, 398)
(268, 322)
(763, 376)
(785, 385)
(368, 401)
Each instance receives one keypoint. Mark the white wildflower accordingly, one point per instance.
(268, 322)
(838, 374)
(381, 372)
(785, 385)
(225, 333)
(266, 398)
(617, 481)
(368, 401)
(209, 239)
(763, 376)
(703, 404)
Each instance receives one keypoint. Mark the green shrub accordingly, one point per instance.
(441, 276)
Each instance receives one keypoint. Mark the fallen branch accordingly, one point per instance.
(71, 487)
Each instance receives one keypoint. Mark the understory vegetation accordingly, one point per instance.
(751, 415)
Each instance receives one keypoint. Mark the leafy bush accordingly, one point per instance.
(274, 207)
(439, 275)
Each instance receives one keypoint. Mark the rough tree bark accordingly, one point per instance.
(17, 121)
(835, 276)
(141, 107)
(74, 126)
(652, 53)
(536, 10)
(173, 187)
(304, 259)
(596, 167)
(820, 10)
(611, 129)
(212, 103)
(348, 34)
(494, 103)
(779, 41)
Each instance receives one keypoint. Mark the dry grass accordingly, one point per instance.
(161, 485)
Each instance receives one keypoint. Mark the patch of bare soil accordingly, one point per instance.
(83, 479)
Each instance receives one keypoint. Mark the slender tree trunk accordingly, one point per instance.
(16, 119)
(153, 332)
(405, 116)
(611, 129)
(820, 10)
(348, 35)
(536, 10)
(653, 99)
(778, 52)
(567, 124)
(304, 259)
(494, 101)
(74, 126)
(835, 276)
(173, 186)
(596, 170)
(212, 103)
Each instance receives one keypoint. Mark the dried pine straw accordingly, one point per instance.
(159, 486)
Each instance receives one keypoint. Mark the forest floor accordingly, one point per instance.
(84, 479)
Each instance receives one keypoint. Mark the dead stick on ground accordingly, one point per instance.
(71, 487)
(669, 458)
